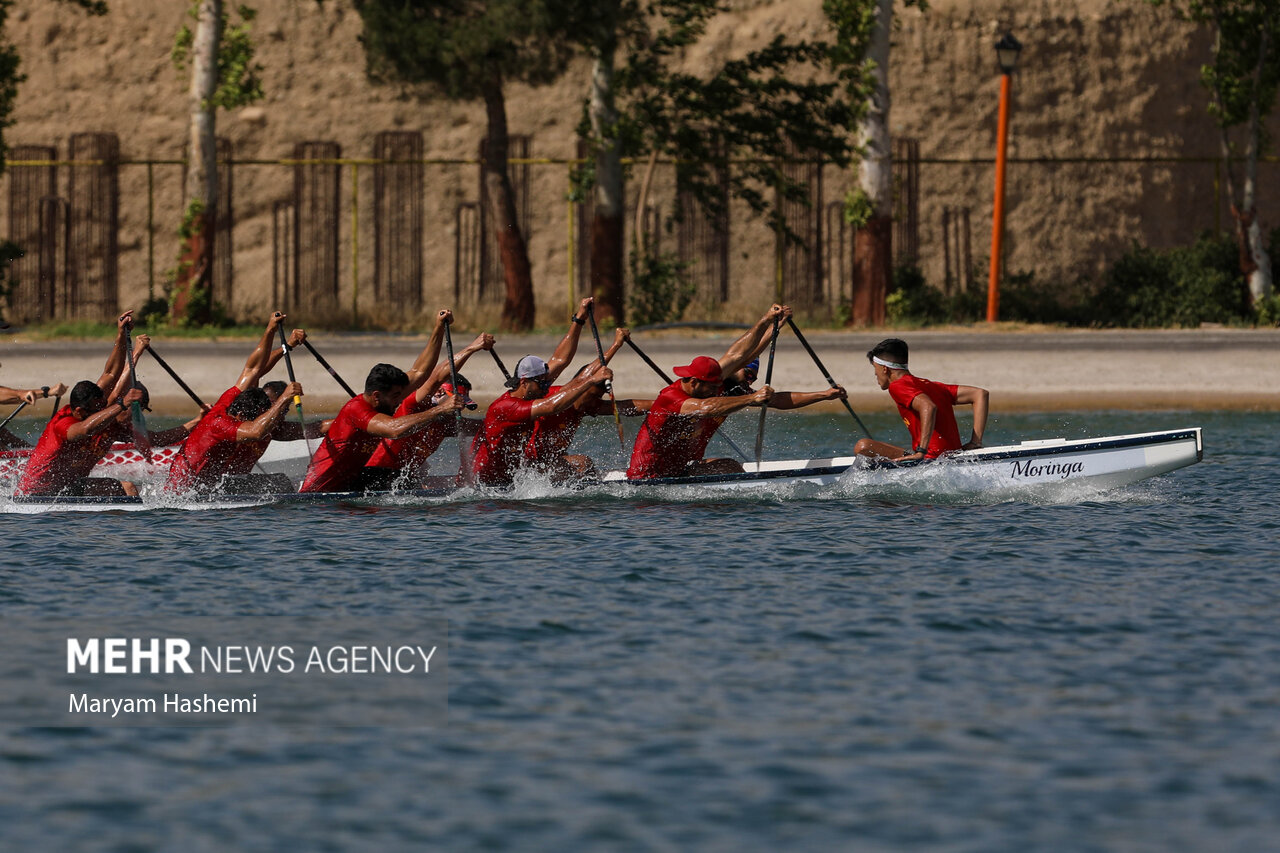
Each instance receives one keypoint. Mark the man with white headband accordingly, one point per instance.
(927, 408)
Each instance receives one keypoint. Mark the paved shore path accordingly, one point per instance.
(1200, 369)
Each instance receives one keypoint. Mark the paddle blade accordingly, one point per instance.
(138, 424)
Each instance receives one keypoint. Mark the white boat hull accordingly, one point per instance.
(1101, 463)
(1029, 468)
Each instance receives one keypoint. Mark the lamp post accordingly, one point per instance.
(1007, 50)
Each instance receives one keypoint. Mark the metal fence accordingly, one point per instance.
(302, 251)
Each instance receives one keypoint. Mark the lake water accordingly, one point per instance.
(844, 670)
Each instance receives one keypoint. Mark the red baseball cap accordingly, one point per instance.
(704, 368)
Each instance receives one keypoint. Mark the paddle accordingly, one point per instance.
(667, 379)
(136, 422)
(325, 365)
(297, 401)
(176, 378)
(14, 414)
(506, 374)
(453, 379)
(764, 407)
(825, 373)
(608, 386)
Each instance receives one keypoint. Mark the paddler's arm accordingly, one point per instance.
(715, 406)
(626, 408)
(978, 398)
(29, 396)
(255, 364)
(261, 426)
(753, 341)
(430, 354)
(569, 394)
(115, 361)
(800, 399)
(385, 426)
(274, 354)
(103, 420)
(166, 437)
(122, 384)
(568, 347)
(483, 341)
(928, 414)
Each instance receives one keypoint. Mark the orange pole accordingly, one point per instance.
(997, 219)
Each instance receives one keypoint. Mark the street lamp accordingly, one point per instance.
(1007, 50)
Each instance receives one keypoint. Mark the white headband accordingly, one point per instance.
(892, 365)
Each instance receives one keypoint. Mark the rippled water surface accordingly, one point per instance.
(836, 670)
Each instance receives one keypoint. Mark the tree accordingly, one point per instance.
(1242, 79)
(597, 24)
(745, 119)
(223, 74)
(470, 49)
(860, 56)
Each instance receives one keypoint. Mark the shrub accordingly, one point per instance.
(660, 291)
(1184, 286)
(911, 300)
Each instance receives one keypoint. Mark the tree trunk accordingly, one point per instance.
(1257, 269)
(607, 216)
(873, 242)
(518, 307)
(193, 285)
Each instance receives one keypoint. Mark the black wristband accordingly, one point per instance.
(576, 319)
(921, 450)
(44, 389)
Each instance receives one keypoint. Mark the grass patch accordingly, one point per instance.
(86, 330)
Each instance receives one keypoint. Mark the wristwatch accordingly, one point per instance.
(44, 389)
(574, 318)
(923, 451)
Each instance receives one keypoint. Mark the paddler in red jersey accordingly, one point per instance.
(686, 414)
(81, 433)
(366, 419)
(927, 408)
(228, 440)
(548, 447)
(404, 461)
(509, 424)
(234, 433)
(503, 444)
(9, 441)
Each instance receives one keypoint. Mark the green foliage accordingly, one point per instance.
(740, 124)
(660, 290)
(203, 312)
(1267, 311)
(239, 77)
(190, 217)
(156, 325)
(858, 208)
(1185, 286)
(911, 301)
(1025, 299)
(461, 46)
(1245, 71)
(853, 22)
(154, 312)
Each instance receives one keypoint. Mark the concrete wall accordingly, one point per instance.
(1097, 80)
